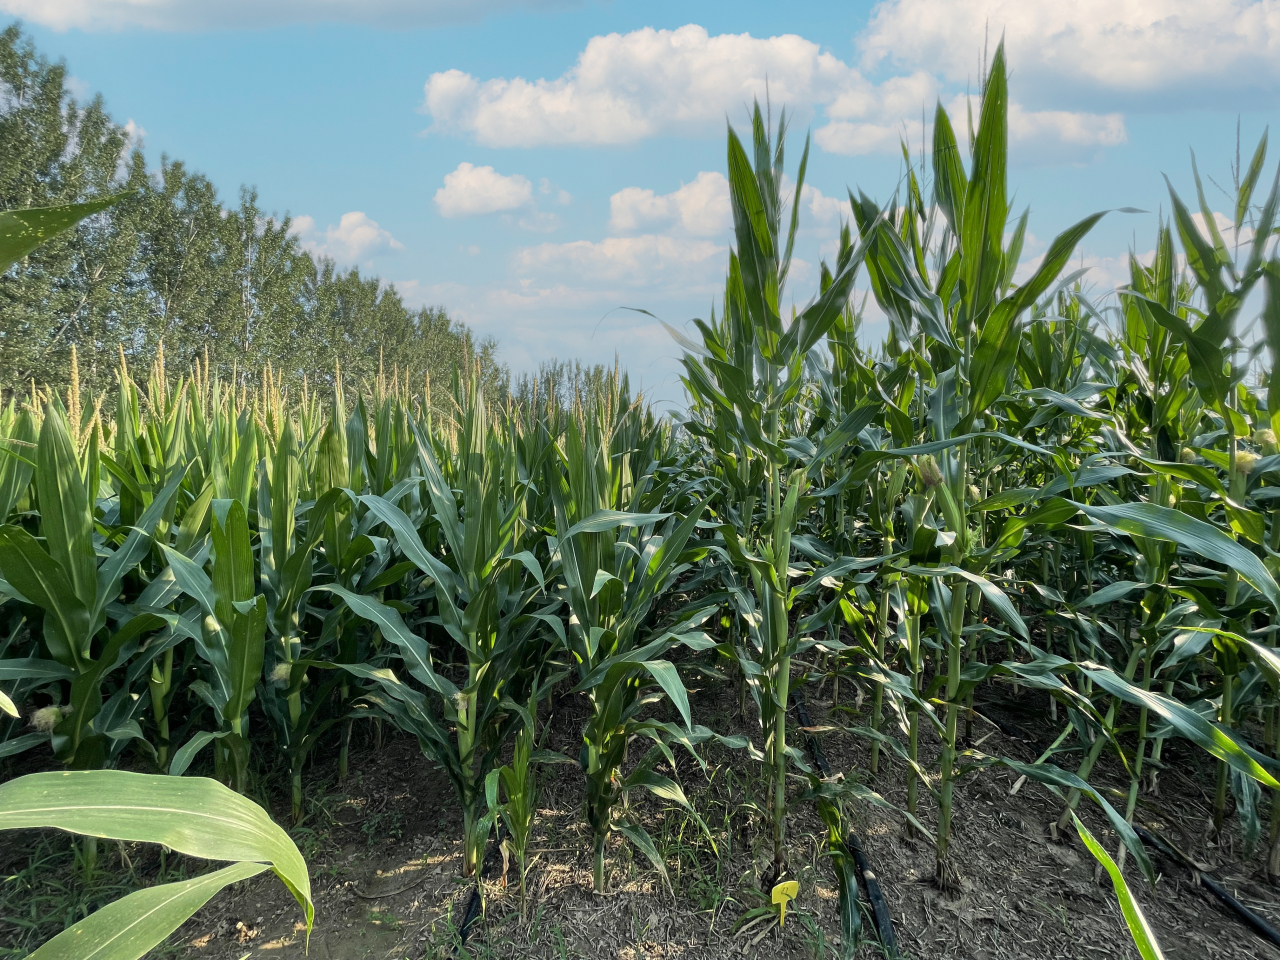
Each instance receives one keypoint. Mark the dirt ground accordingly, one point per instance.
(385, 859)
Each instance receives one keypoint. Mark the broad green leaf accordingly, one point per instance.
(17, 745)
(950, 185)
(21, 231)
(657, 784)
(17, 462)
(128, 928)
(1110, 594)
(850, 911)
(194, 816)
(1250, 180)
(44, 582)
(411, 544)
(602, 577)
(603, 520)
(66, 517)
(33, 668)
(1143, 937)
(669, 679)
(183, 756)
(1218, 741)
(644, 843)
(413, 649)
(1165, 523)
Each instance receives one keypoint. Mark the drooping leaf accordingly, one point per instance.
(1143, 937)
(194, 816)
(1166, 523)
(21, 231)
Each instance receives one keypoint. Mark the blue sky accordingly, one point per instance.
(533, 166)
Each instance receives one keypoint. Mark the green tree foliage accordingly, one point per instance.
(177, 264)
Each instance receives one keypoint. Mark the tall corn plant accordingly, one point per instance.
(288, 536)
(617, 557)
(480, 591)
(971, 318)
(85, 635)
(744, 379)
(231, 637)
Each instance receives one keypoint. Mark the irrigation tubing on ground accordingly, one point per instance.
(472, 913)
(870, 882)
(1251, 919)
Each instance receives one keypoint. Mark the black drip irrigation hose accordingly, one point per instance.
(472, 913)
(1251, 919)
(870, 883)
(1258, 924)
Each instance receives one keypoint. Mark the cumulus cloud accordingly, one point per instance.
(539, 221)
(823, 209)
(224, 14)
(355, 237)
(646, 260)
(1134, 46)
(700, 208)
(1057, 134)
(546, 188)
(627, 87)
(1227, 230)
(471, 191)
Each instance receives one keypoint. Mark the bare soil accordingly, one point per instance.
(385, 857)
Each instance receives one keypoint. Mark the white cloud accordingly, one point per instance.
(539, 221)
(355, 238)
(78, 88)
(648, 260)
(134, 139)
(627, 87)
(1138, 46)
(1061, 134)
(223, 14)
(823, 209)
(546, 188)
(134, 133)
(1227, 230)
(471, 191)
(1063, 127)
(700, 208)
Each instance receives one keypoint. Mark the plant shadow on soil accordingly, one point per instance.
(384, 854)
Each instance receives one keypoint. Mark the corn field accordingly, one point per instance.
(1068, 497)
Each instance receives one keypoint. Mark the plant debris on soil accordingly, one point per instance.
(384, 851)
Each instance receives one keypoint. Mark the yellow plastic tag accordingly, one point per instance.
(783, 893)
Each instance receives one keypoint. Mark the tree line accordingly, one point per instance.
(174, 264)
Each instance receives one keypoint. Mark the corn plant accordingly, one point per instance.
(745, 377)
(519, 785)
(482, 591)
(616, 557)
(64, 580)
(193, 816)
